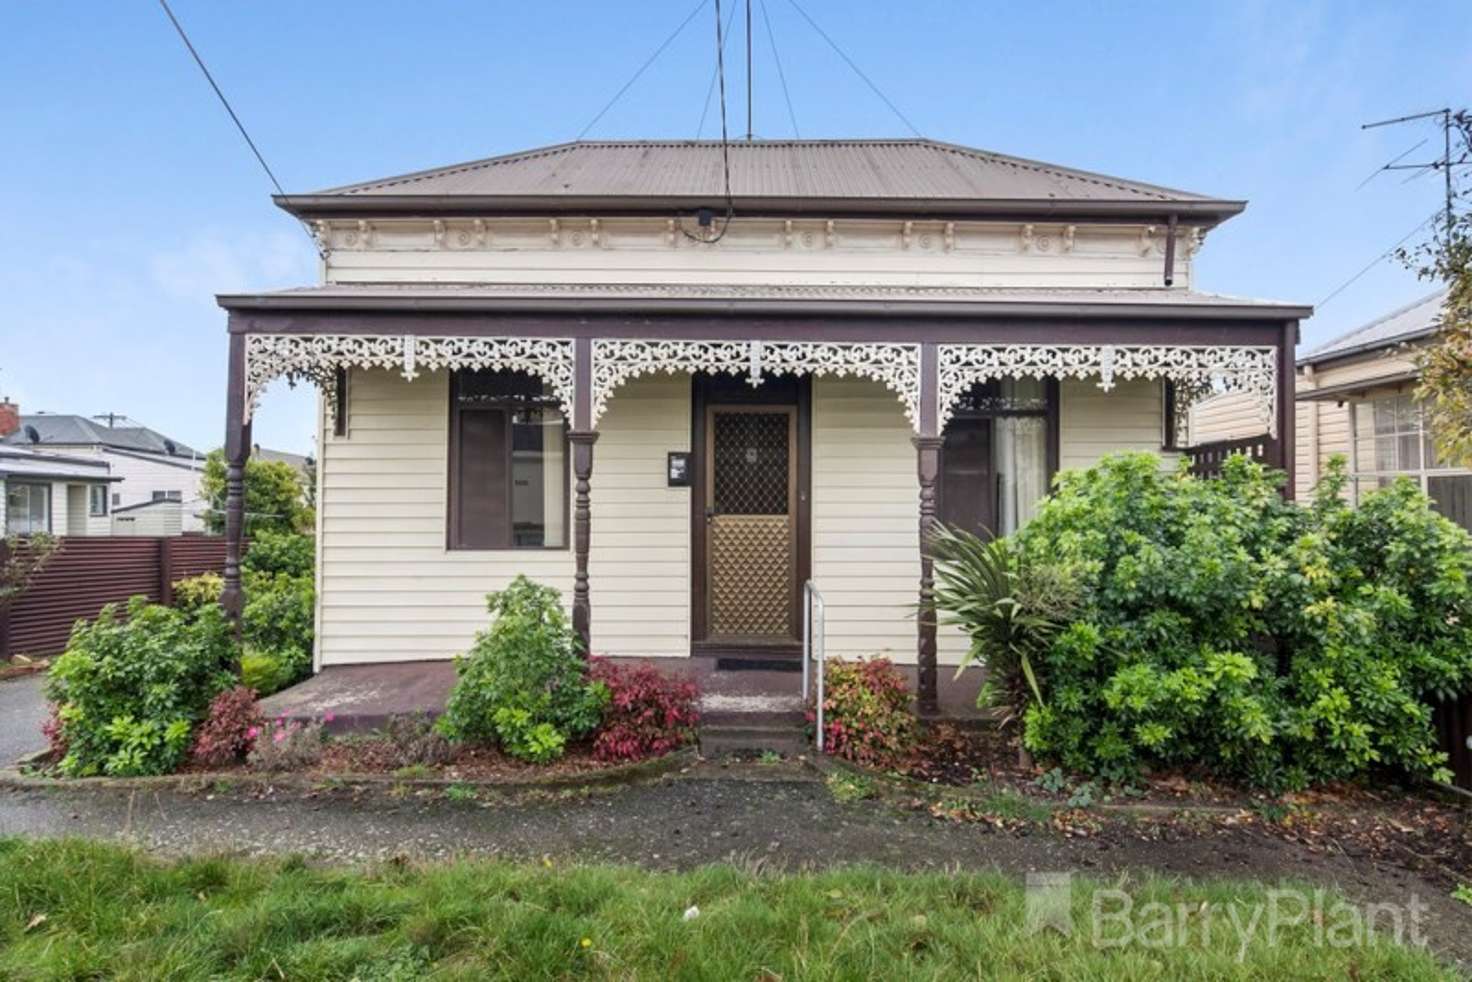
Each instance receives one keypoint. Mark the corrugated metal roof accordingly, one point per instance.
(655, 297)
(1407, 323)
(773, 170)
(65, 430)
(18, 462)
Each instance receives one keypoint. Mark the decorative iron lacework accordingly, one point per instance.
(316, 358)
(896, 365)
(1225, 368)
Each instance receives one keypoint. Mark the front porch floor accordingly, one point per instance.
(363, 697)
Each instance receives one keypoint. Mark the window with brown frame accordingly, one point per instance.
(999, 453)
(508, 463)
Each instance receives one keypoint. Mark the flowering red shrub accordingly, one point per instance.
(227, 733)
(866, 713)
(648, 713)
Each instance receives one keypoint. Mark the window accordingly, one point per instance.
(97, 500)
(508, 463)
(168, 496)
(996, 456)
(1389, 440)
(27, 508)
(117, 499)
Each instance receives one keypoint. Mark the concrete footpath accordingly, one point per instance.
(22, 712)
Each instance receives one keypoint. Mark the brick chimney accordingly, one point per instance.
(9, 417)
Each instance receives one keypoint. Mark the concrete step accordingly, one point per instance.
(730, 737)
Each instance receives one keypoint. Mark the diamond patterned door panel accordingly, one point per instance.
(750, 523)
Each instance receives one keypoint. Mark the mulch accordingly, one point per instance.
(1411, 827)
(373, 756)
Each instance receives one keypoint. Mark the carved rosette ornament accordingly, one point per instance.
(316, 358)
(895, 365)
(1226, 368)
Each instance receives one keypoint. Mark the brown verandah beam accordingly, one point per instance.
(1063, 324)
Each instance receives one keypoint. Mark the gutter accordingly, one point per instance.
(1359, 349)
(1205, 212)
(738, 308)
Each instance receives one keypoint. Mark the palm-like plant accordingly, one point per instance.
(1009, 610)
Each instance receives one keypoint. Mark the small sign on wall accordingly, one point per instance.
(677, 468)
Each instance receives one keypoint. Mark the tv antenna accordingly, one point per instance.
(1445, 163)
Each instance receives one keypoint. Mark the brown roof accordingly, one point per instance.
(832, 176)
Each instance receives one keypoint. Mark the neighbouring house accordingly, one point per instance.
(151, 468)
(1356, 398)
(57, 494)
(789, 382)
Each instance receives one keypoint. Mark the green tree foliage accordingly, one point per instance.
(129, 690)
(275, 498)
(1445, 367)
(524, 684)
(1218, 625)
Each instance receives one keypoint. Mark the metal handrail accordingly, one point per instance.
(814, 624)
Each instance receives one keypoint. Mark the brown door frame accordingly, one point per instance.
(798, 395)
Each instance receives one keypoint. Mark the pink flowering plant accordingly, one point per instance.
(285, 744)
(229, 730)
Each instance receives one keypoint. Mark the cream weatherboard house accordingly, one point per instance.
(789, 379)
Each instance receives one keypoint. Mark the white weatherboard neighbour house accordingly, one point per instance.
(1356, 399)
(588, 364)
(52, 494)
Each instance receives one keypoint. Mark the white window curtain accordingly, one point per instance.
(1020, 457)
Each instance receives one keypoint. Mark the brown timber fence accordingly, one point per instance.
(87, 572)
(1207, 458)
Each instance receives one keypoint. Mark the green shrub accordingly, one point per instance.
(278, 620)
(194, 592)
(1221, 626)
(280, 552)
(129, 691)
(523, 685)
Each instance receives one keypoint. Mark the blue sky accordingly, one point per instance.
(128, 200)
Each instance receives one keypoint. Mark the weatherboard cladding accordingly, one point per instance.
(858, 169)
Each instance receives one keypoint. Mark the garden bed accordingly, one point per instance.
(973, 775)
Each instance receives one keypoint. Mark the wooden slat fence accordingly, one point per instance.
(1207, 458)
(87, 572)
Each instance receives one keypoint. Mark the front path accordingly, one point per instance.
(784, 820)
(22, 712)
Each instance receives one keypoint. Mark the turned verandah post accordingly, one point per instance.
(582, 437)
(927, 451)
(237, 449)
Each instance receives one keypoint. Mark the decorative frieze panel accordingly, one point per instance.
(316, 358)
(896, 365)
(1228, 368)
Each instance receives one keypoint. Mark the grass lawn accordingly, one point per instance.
(83, 910)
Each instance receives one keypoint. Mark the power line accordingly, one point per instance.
(772, 40)
(857, 70)
(1380, 258)
(234, 118)
(711, 89)
(725, 140)
(642, 68)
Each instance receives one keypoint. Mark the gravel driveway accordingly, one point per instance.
(22, 711)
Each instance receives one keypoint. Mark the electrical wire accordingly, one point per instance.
(710, 90)
(725, 137)
(260, 158)
(772, 40)
(642, 68)
(1380, 258)
(857, 70)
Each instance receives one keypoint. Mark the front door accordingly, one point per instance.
(751, 534)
